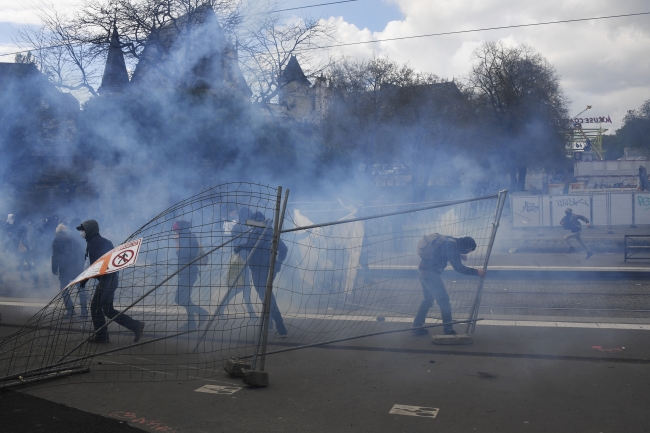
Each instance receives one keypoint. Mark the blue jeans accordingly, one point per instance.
(64, 279)
(186, 279)
(433, 289)
(260, 274)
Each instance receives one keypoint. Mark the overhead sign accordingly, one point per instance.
(115, 260)
(601, 119)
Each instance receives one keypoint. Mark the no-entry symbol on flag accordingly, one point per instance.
(115, 260)
(123, 259)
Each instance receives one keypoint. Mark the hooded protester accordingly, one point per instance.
(259, 261)
(436, 251)
(68, 263)
(102, 301)
(571, 221)
(188, 249)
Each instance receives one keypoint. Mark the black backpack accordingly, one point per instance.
(429, 244)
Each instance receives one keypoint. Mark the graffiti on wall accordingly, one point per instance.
(564, 202)
(530, 207)
(644, 201)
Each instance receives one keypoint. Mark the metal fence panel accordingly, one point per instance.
(621, 209)
(599, 209)
(526, 211)
(642, 208)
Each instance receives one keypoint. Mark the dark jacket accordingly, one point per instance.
(572, 222)
(188, 246)
(448, 251)
(97, 246)
(260, 260)
(67, 255)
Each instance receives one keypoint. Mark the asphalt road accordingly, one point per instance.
(509, 380)
(512, 379)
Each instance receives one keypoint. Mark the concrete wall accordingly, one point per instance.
(602, 209)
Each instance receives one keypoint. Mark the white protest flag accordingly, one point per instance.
(118, 258)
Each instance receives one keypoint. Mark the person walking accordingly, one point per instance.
(188, 249)
(102, 302)
(238, 276)
(436, 251)
(68, 263)
(259, 262)
(571, 221)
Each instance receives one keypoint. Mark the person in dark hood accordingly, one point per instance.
(442, 250)
(571, 221)
(259, 261)
(68, 263)
(188, 249)
(102, 301)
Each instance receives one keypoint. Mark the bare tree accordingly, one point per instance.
(267, 44)
(71, 48)
(520, 91)
(381, 116)
(62, 52)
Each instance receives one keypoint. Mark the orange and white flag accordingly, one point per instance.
(118, 258)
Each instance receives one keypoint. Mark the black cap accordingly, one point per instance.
(80, 227)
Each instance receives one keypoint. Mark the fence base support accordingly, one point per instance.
(256, 378)
(235, 367)
(452, 339)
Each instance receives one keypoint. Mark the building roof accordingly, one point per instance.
(192, 52)
(115, 78)
(293, 73)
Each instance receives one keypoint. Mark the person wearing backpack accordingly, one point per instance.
(436, 251)
(68, 263)
(188, 250)
(571, 221)
(259, 263)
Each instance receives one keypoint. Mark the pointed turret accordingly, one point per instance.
(115, 77)
(293, 73)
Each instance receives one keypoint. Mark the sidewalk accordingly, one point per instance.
(531, 261)
(550, 240)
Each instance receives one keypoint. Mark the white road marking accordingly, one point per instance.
(424, 412)
(218, 389)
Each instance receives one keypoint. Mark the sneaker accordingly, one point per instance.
(589, 254)
(452, 332)
(420, 331)
(138, 332)
(99, 340)
(572, 250)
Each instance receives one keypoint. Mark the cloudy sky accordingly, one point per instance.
(604, 63)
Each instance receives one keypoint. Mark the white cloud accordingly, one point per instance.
(602, 63)
(26, 12)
